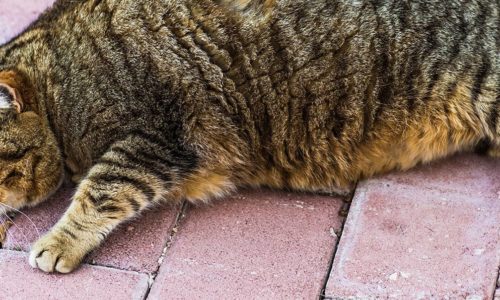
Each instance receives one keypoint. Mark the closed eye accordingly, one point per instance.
(11, 176)
(17, 155)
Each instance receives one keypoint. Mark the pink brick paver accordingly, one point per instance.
(19, 281)
(430, 233)
(15, 15)
(136, 246)
(256, 245)
(37, 220)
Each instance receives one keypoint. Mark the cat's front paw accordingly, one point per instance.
(56, 253)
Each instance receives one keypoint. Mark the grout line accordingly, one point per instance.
(171, 235)
(497, 285)
(345, 209)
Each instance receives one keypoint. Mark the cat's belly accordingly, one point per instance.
(400, 143)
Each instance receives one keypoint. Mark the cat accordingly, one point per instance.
(143, 102)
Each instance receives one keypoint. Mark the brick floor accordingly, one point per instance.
(257, 245)
(252, 241)
(138, 245)
(19, 281)
(15, 15)
(429, 233)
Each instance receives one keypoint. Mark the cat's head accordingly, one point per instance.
(30, 161)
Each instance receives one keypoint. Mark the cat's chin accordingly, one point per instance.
(11, 201)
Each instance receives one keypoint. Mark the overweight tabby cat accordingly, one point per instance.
(164, 100)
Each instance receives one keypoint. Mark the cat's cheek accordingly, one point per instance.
(11, 200)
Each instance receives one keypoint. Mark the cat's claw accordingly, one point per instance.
(53, 254)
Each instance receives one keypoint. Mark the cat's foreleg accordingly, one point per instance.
(129, 178)
(494, 151)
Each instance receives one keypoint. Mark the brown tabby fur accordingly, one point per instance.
(150, 101)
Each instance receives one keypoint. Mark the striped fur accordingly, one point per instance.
(151, 101)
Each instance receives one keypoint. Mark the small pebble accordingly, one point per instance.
(421, 295)
(478, 252)
(393, 276)
(474, 297)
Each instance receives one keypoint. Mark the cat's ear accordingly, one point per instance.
(10, 98)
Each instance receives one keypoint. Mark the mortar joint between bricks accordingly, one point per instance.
(344, 211)
(496, 291)
(171, 235)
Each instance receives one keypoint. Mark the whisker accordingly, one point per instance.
(5, 225)
(15, 245)
(12, 240)
(26, 239)
(29, 219)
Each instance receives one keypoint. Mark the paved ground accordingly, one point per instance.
(431, 233)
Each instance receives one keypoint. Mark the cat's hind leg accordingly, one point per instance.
(131, 176)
